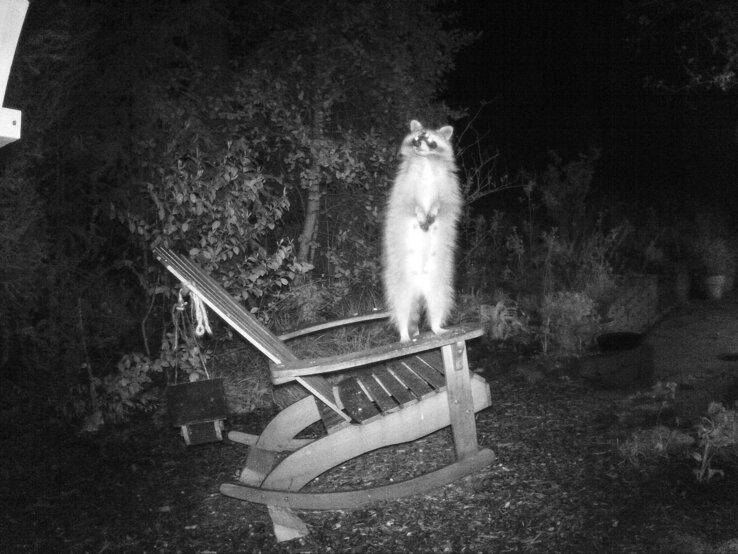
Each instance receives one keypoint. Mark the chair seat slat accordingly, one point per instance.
(405, 375)
(430, 374)
(355, 401)
(393, 386)
(385, 402)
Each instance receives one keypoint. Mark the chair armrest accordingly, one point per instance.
(331, 324)
(288, 371)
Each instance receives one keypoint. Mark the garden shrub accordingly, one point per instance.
(569, 322)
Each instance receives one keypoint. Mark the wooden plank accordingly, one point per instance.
(337, 323)
(277, 437)
(405, 375)
(429, 374)
(393, 386)
(385, 402)
(250, 440)
(460, 401)
(355, 401)
(347, 500)
(434, 359)
(321, 388)
(331, 419)
(289, 370)
(287, 526)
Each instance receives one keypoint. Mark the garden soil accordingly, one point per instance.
(696, 346)
(560, 483)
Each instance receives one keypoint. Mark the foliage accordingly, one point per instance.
(564, 188)
(334, 85)
(483, 252)
(595, 275)
(23, 250)
(651, 443)
(701, 36)
(183, 358)
(123, 108)
(78, 298)
(569, 322)
(553, 263)
(503, 320)
(557, 276)
(130, 389)
(529, 258)
(125, 391)
(209, 197)
(718, 429)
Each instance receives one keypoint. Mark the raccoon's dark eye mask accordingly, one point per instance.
(423, 137)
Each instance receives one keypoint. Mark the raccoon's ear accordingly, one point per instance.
(415, 126)
(446, 132)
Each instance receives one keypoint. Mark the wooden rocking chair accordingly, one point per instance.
(402, 393)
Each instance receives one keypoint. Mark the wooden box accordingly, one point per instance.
(199, 409)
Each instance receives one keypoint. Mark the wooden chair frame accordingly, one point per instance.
(402, 392)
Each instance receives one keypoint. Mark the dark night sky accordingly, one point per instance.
(560, 76)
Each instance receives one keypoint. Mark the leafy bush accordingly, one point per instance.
(209, 197)
(569, 322)
(503, 320)
(125, 391)
(718, 429)
(564, 189)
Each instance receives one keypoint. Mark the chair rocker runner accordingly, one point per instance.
(403, 391)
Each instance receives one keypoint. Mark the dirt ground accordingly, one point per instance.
(559, 483)
(693, 347)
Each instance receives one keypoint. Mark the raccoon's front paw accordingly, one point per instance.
(430, 220)
(425, 220)
(420, 216)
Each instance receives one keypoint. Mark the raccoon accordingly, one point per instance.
(420, 231)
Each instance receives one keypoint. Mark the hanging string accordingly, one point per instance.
(178, 315)
(183, 328)
(201, 316)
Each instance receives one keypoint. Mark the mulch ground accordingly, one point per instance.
(558, 485)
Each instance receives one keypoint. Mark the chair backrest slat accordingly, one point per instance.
(222, 303)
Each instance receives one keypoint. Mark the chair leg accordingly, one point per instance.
(276, 438)
(287, 526)
(460, 406)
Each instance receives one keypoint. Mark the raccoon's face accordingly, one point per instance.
(427, 142)
(423, 141)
